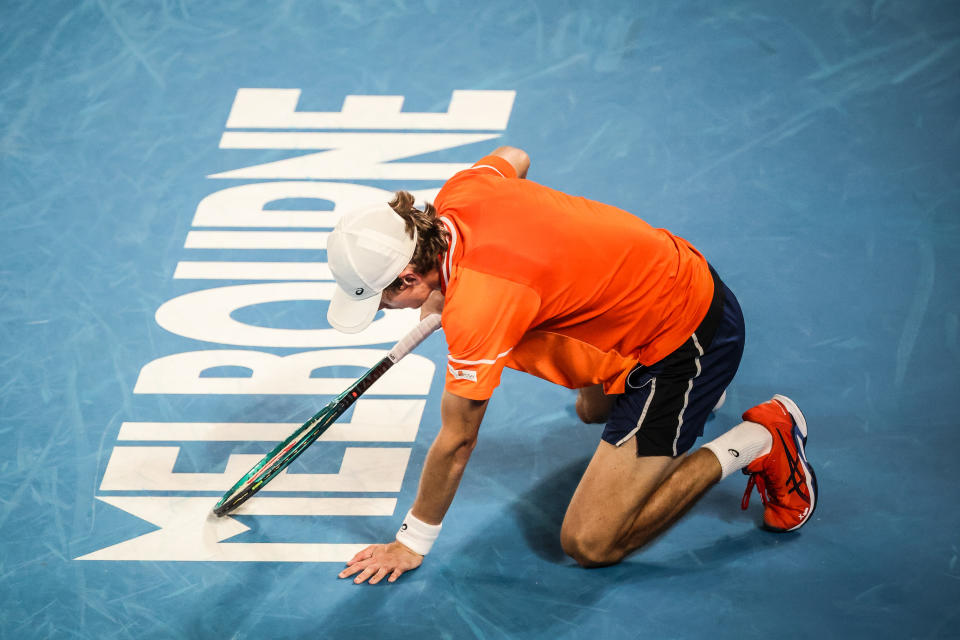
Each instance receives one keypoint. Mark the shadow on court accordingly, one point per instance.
(540, 510)
(490, 586)
(539, 514)
(491, 583)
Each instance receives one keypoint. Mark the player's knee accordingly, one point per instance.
(589, 551)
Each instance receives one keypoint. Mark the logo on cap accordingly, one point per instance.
(358, 292)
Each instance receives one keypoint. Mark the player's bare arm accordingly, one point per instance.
(442, 471)
(448, 456)
(518, 158)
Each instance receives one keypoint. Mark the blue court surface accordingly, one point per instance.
(168, 173)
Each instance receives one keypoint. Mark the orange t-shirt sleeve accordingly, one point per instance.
(482, 329)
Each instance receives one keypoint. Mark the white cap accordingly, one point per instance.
(366, 252)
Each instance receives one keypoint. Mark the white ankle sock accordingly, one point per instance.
(740, 446)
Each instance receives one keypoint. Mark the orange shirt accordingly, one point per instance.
(570, 290)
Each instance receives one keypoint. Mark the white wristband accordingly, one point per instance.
(417, 535)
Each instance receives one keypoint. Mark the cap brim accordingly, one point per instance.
(350, 315)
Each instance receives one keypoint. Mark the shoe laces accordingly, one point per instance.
(755, 479)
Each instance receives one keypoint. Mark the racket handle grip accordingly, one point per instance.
(417, 335)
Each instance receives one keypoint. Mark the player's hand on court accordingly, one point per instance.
(379, 561)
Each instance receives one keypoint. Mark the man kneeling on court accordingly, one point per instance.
(587, 296)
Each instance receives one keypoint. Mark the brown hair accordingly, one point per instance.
(432, 240)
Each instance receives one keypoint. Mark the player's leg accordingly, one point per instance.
(639, 481)
(623, 502)
(614, 490)
(629, 496)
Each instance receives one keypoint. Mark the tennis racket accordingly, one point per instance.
(288, 450)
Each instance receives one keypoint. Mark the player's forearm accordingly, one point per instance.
(442, 471)
(448, 456)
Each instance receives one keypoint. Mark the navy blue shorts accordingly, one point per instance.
(665, 405)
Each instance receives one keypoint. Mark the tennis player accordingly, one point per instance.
(587, 296)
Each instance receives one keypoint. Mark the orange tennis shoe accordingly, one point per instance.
(783, 477)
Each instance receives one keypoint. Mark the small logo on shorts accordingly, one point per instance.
(734, 453)
(464, 374)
